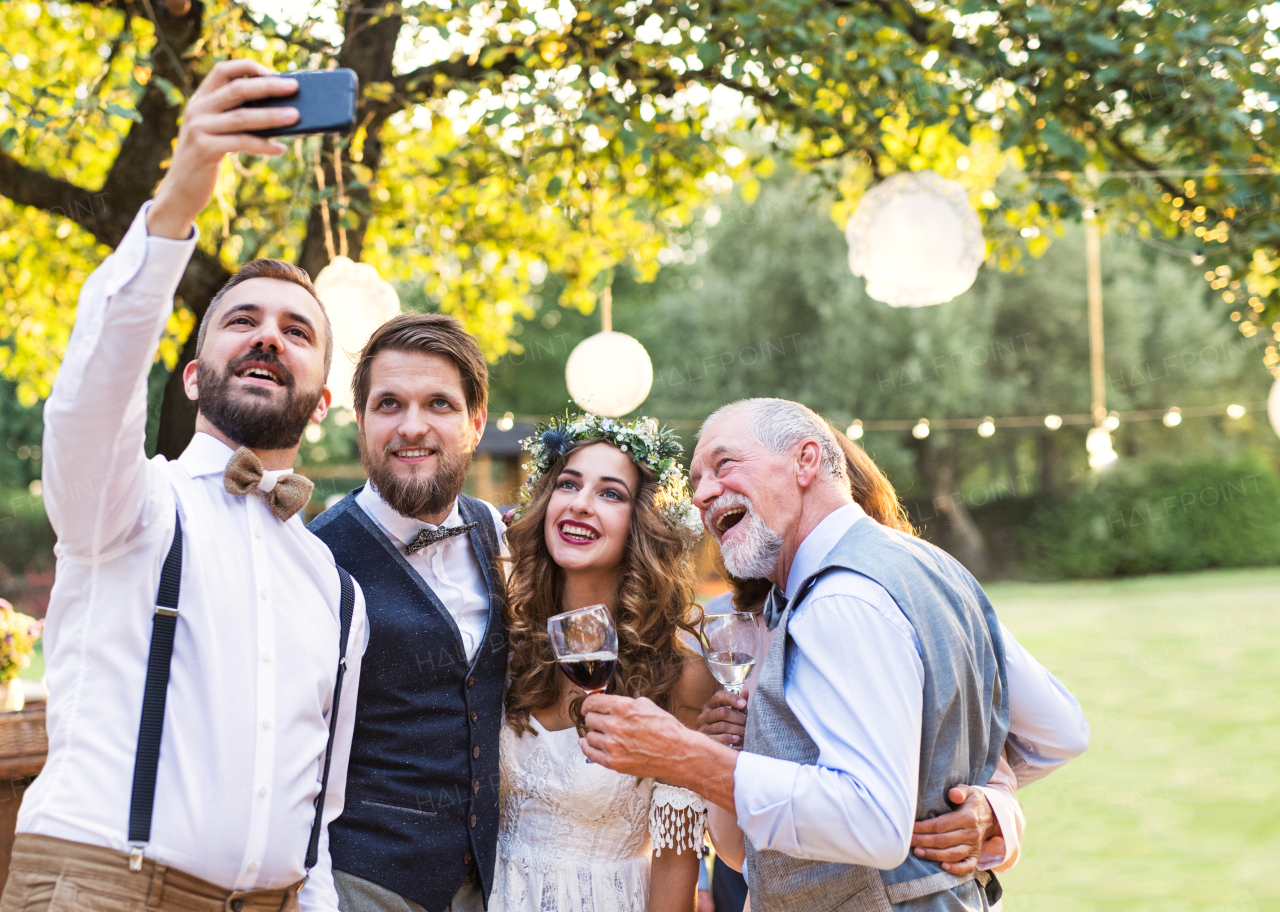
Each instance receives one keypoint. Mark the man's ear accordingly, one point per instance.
(189, 385)
(808, 463)
(479, 420)
(322, 407)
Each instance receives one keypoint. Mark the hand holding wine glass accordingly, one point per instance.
(585, 644)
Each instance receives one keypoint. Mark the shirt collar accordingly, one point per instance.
(397, 525)
(818, 544)
(207, 455)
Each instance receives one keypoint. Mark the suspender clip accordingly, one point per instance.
(135, 855)
(166, 612)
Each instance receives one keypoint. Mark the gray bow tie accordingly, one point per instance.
(427, 537)
(775, 604)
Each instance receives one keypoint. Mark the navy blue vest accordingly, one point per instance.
(422, 788)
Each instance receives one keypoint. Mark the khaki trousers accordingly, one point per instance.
(55, 875)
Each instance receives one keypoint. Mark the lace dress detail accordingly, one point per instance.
(677, 819)
(574, 836)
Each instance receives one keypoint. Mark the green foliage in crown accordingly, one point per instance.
(642, 440)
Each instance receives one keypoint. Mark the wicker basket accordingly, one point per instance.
(23, 743)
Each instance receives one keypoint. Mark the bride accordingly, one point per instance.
(606, 520)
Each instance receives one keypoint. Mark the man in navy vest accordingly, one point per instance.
(419, 831)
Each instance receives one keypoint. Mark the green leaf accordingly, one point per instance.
(554, 185)
(171, 92)
(9, 139)
(1114, 186)
(709, 53)
(118, 111)
(1103, 43)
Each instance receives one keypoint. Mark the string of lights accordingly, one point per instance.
(986, 426)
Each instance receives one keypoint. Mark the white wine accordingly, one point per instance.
(731, 668)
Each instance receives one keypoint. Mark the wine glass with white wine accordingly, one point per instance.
(731, 645)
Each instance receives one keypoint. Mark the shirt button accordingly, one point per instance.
(262, 792)
(252, 866)
(266, 655)
(257, 533)
(263, 593)
(466, 859)
(266, 723)
(475, 787)
(471, 681)
(475, 752)
(473, 820)
(475, 716)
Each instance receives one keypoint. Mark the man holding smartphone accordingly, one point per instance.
(253, 742)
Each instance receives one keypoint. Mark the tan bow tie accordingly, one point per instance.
(244, 475)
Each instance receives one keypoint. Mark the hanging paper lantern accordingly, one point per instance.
(1273, 406)
(609, 374)
(358, 301)
(916, 240)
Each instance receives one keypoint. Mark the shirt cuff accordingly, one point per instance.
(762, 793)
(1008, 815)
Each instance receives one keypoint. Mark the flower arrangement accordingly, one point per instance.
(18, 635)
(642, 440)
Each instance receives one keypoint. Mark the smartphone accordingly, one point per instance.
(326, 103)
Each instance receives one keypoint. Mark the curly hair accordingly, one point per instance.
(871, 490)
(655, 600)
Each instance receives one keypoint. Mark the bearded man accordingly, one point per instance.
(194, 579)
(420, 828)
(885, 685)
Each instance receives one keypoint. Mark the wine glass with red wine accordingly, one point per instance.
(586, 646)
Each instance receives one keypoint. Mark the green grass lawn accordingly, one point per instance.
(1176, 805)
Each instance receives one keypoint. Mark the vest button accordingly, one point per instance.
(237, 905)
(475, 752)
(473, 820)
(466, 859)
(475, 787)
(475, 716)
(471, 681)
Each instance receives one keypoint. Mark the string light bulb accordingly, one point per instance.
(1102, 454)
(921, 430)
(1236, 411)
(1052, 422)
(1112, 421)
(854, 430)
(987, 427)
(1173, 417)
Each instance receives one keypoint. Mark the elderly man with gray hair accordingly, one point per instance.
(884, 686)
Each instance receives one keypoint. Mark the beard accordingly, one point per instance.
(417, 495)
(249, 416)
(753, 551)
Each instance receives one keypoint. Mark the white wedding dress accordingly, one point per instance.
(575, 836)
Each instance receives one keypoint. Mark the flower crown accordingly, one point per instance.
(642, 440)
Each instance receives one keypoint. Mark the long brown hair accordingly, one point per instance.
(871, 490)
(655, 600)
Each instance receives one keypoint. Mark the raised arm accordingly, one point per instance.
(95, 469)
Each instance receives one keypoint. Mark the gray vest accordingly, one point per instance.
(966, 719)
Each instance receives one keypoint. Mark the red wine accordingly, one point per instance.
(590, 671)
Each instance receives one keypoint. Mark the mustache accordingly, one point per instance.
(262, 356)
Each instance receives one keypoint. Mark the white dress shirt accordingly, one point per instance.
(255, 652)
(449, 566)
(855, 681)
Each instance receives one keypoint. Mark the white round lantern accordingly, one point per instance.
(609, 374)
(358, 301)
(1273, 406)
(916, 240)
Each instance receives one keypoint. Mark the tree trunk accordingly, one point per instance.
(963, 540)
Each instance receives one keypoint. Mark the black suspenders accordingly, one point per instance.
(165, 621)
